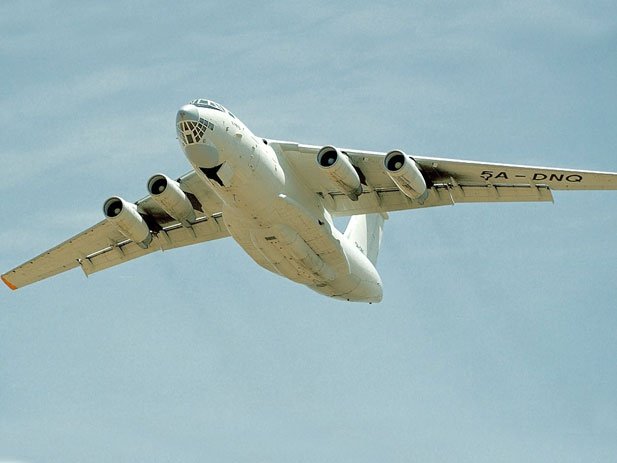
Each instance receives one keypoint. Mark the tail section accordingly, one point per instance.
(366, 231)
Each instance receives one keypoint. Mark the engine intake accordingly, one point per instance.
(127, 220)
(168, 194)
(406, 175)
(340, 170)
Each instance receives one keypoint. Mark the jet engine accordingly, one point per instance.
(127, 220)
(168, 194)
(338, 166)
(404, 172)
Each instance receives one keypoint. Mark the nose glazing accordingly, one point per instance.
(187, 113)
(191, 131)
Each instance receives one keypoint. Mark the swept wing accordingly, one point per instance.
(449, 181)
(102, 245)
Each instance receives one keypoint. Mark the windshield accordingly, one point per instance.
(207, 104)
(201, 103)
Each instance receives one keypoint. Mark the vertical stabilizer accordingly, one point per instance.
(365, 231)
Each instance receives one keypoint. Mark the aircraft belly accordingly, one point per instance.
(291, 234)
(284, 247)
(286, 250)
(315, 230)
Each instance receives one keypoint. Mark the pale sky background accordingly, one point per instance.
(496, 340)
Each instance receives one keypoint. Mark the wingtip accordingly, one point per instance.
(8, 283)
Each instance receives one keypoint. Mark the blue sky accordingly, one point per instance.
(497, 336)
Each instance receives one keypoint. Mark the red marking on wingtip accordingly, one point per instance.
(8, 283)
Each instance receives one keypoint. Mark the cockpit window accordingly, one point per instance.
(201, 103)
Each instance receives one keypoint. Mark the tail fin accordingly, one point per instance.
(366, 231)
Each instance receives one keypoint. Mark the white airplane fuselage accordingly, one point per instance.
(267, 209)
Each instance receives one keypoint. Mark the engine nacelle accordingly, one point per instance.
(338, 166)
(127, 220)
(168, 194)
(405, 174)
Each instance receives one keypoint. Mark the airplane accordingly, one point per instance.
(278, 199)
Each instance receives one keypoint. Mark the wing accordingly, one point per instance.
(103, 246)
(449, 181)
